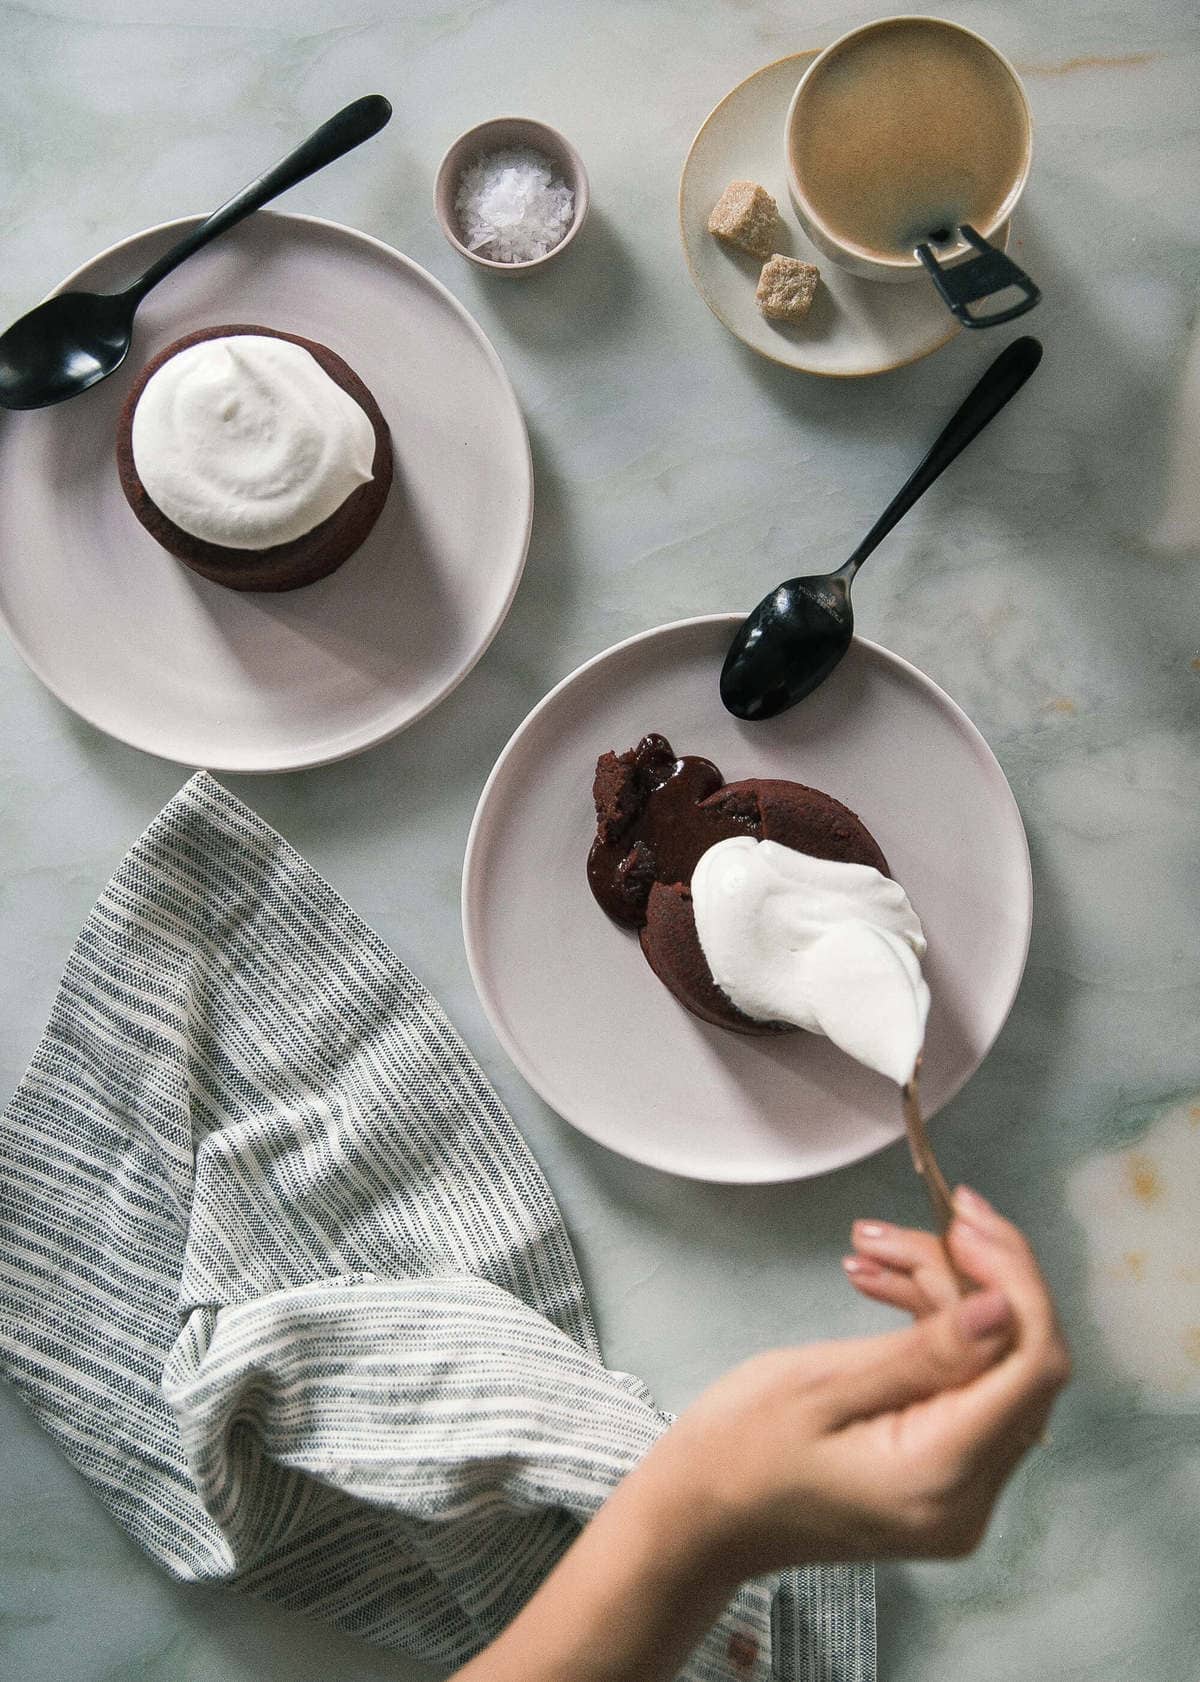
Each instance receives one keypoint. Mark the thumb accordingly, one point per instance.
(941, 1352)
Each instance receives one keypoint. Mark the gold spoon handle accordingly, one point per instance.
(940, 1196)
(924, 1161)
(926, 1164)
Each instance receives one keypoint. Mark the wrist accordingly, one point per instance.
(678, 1501)
(630, 1598)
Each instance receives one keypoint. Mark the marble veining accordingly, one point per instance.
(1135, 1208)
(1050, 582)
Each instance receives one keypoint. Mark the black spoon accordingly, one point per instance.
(797, 634)
(75, 339)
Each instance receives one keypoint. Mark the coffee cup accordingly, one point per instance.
(908, 145)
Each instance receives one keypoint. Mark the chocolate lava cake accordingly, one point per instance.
(286, 566)
(656, 814)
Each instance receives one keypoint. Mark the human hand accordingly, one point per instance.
(887, 1446)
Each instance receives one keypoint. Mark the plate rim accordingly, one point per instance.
(180, 224)
(702, 291)
(472, 867)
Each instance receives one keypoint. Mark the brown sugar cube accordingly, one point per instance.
(746, 216)
(786, 287)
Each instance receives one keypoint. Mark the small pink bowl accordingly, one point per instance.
(496, 136)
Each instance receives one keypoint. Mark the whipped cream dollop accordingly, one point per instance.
(835, 948)
(245, 441)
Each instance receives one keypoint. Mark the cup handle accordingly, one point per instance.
(979, 277)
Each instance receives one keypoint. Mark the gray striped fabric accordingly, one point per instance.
(281, 1278)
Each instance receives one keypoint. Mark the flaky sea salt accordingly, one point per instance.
(512, 207)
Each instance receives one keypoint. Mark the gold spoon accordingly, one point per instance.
(924, 1161)
(941, 1198)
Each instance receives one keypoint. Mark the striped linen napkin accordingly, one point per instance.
(281, 1278)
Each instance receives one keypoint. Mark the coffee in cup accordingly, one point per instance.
(908, 145)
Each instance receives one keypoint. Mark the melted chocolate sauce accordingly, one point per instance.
(651, 826)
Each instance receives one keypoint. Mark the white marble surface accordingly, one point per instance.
(1050, 584)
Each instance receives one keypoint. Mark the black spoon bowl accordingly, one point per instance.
(76, 339)
(796, 635)
(65, 345)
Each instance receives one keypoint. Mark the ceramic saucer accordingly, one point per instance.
(161, 658)
(855, 327)
(577, 1007)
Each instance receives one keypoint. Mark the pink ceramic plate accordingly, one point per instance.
(571, 997)
(161, 658)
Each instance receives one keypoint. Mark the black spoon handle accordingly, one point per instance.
(352, 125)
(997, 384)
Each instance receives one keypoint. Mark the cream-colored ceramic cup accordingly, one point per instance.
(859, 259)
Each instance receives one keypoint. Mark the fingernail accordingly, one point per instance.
(871, 1229)
(859, 1264)
(983, 1314)
(972, 1207)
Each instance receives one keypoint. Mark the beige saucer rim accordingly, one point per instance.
(952, 331)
